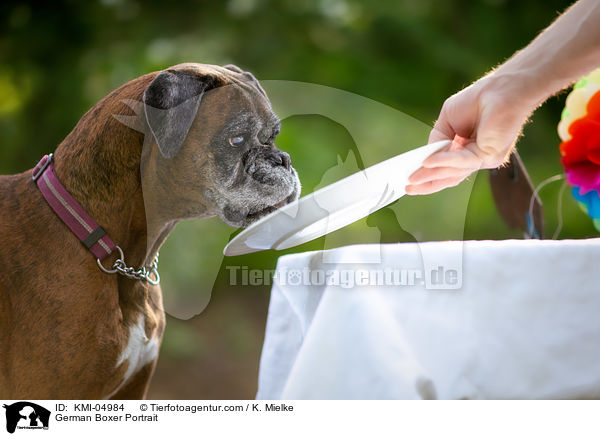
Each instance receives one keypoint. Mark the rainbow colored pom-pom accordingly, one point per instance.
(579, 129)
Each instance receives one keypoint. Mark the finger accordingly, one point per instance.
(457, 117)
(423, 175)
(462, 158)
(459, 142)
(433, 186)
(442, 129)
(437, 135)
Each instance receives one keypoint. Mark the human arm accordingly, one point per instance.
(485, 119)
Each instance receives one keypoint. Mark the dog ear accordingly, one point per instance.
(170, 103)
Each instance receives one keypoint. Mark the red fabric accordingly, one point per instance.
(581, 153)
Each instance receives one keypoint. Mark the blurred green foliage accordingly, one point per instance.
(57, 59)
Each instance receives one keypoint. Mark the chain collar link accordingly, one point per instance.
(148, 273)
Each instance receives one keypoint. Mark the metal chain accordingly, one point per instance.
(144, 273)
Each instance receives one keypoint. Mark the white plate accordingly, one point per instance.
(334, 206)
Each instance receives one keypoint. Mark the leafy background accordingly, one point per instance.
(57, 59)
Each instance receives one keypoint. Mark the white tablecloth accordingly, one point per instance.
(524, 324)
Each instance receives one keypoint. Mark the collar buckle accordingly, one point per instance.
(39, 170)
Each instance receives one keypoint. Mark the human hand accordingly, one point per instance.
(483, 121)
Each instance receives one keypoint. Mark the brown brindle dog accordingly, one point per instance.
(71, 331)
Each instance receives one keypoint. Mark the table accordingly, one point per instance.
(507, 319)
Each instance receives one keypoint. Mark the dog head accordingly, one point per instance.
(215, 130)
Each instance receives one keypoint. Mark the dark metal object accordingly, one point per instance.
(512, 190)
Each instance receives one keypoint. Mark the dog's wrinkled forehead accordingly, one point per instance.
(224, 76)
(243, 113)
(178, 94)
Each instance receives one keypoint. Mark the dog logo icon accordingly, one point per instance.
(26, 415)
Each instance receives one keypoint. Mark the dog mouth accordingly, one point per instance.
(252, 217)
(244, 216)
(262, 184)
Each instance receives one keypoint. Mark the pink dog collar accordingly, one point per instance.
(70, 211)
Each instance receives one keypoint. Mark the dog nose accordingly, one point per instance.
(279, 158)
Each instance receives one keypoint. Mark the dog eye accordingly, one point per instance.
(236, 140)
